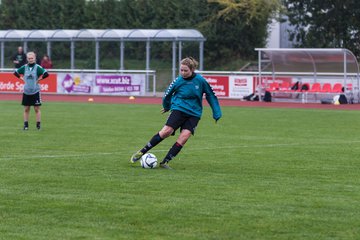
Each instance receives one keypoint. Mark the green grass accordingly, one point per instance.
(260, 173)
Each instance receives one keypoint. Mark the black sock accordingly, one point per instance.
(174, 150)
(38, 124)
(26, 124)
(155, 140)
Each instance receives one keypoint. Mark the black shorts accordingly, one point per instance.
(31, 100)
(178, 119)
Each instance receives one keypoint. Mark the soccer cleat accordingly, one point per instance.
(26, 126)
(136, 157)
(166, 166)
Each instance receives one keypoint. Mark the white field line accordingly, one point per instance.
(94, 154)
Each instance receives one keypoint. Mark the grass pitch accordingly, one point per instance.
(260, 173)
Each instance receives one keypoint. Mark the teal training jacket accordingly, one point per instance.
(186, 95)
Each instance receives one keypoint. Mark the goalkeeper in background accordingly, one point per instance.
(31, 73)
(183, 98)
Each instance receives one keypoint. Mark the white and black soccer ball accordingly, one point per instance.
(148, 160)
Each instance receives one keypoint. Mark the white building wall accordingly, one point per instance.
(278, 35)
(273, 40)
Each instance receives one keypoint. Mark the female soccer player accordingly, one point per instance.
(183, 98)
(31, 73)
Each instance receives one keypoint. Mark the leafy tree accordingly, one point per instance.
(234, 28)
(325, 23)
(42, 14)
(104, 14)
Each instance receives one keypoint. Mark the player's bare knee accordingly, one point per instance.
(166, 131)
(184, 136)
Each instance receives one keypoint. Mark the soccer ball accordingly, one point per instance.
(148, 160)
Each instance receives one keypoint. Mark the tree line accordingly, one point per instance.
(325, 24)
(232, 28)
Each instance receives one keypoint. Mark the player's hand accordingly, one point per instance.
(164, 111)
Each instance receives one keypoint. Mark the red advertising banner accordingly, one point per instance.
(10, 83)
(220, 84)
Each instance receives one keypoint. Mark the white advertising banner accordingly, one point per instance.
(240, 86)
(233, 86)
(103, 84)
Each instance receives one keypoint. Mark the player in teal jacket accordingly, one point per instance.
(186, 95)
(31, 74)
(184, 99)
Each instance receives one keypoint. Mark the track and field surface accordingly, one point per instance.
(157, 100)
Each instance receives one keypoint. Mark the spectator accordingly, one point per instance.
(19, 58)
(46, 62)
